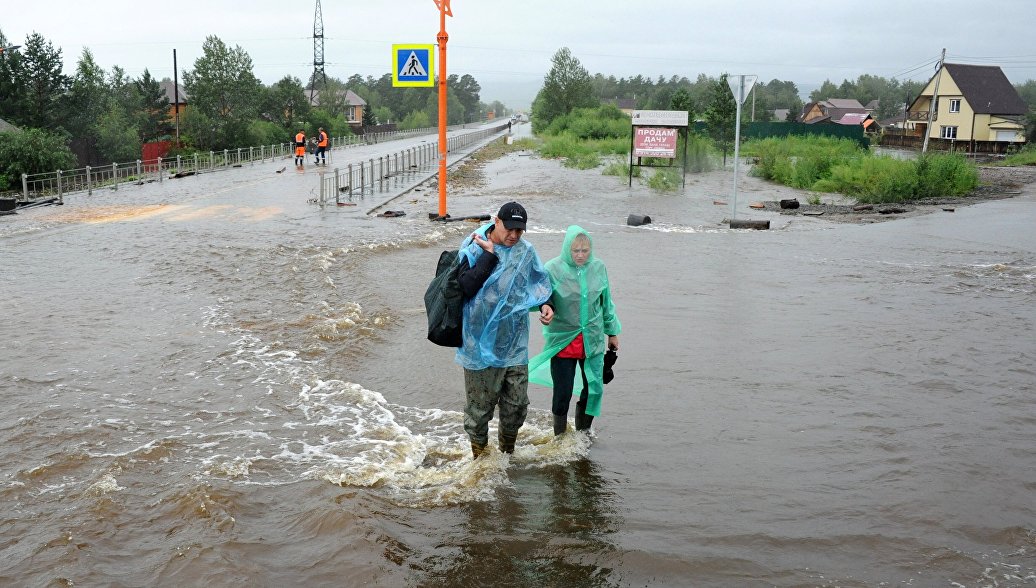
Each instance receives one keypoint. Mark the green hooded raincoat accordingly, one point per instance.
(582, 304)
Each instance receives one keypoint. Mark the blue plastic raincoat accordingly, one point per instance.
(582, 304)
(496, 319)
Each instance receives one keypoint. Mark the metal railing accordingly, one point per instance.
(342, 185)
(87, 179)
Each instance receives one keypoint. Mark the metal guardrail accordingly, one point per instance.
(341, 186)
(87, 179)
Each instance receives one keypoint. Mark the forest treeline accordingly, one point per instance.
(96, 116)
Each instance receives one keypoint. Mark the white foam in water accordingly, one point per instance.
(352, 436)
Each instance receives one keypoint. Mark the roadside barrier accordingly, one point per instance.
(340, 186)
(58, 184)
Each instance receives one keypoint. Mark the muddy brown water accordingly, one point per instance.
(218, 383)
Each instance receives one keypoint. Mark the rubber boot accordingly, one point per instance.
(477, 450)
(583, 421)
(560, 424)
(507, 441)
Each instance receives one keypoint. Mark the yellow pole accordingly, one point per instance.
(442, 38)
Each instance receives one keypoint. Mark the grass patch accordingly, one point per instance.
(1026, 156)
(827, 164)
(665, 180)
(620, 168)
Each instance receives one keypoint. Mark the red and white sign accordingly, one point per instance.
(654, 142)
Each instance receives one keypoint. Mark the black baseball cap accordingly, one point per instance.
(513, 216)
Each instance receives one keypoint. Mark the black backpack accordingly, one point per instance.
(444, 302)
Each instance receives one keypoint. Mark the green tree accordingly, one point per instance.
(721, 115)
(87, 97)
(286, 103)
(467, 89)
(153, 108)
(117, 137)
(32, 151)
(1028, 93)
(566, 86)
(369, 118)
(417, 119)
(223, 90)
(12, 89)
(681, 100)
(44, 84)
(825, 91)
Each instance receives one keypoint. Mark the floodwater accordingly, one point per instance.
(213, 382)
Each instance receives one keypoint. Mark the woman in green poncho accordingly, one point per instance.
(583, 327)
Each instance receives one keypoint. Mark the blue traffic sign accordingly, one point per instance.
(413, 65)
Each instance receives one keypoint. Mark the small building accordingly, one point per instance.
(626, 105)
(174, 93)
(6, 127)
(974, 105)
(830, 110)
(350, 102)
(859, 119)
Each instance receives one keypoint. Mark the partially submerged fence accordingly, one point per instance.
(342, 185)
(59, 183)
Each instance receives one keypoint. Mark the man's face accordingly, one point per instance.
(507, 237)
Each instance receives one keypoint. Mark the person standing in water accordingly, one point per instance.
(584, 326)
(502, 280)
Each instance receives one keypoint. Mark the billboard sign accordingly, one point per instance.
(654, 142)
(664, 118)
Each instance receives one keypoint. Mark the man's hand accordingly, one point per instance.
(546, 314)
(485, 244)
(613, 342)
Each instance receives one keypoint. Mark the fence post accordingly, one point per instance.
(363, 180)
(195, 162)
(238, 160)
(212, 160)
(381, 174)
(25, 186)
(251, 158)
(115, 176)
(321, 200)
(159, 170)
(138, 169)
(60, 192)
(179, 164)
(226, 157)
(89, 186)
(338, 187)
(350, 182)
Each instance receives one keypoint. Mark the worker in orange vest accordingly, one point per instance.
(300, 148)
(321, 154)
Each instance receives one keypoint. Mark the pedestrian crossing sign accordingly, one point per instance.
(412, 66)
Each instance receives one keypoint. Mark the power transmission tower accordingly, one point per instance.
(318, 53)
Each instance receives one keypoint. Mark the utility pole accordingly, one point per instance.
(442, 38)
(176, 98)
(931, 107)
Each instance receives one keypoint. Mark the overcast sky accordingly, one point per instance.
(507, 46)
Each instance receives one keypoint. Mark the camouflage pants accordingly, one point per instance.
(487, 388)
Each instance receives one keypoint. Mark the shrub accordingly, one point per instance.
(665, 180)
(1026, 156)
(945, 175)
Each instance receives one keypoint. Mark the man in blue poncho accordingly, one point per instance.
(503, 280)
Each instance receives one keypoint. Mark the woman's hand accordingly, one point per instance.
(613, 342)
(546, 314)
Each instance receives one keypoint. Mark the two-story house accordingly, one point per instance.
(976, 106)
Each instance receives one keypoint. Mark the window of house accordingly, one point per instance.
(955, 105)
(949, 132)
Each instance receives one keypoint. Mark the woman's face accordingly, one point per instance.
(580, 250)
